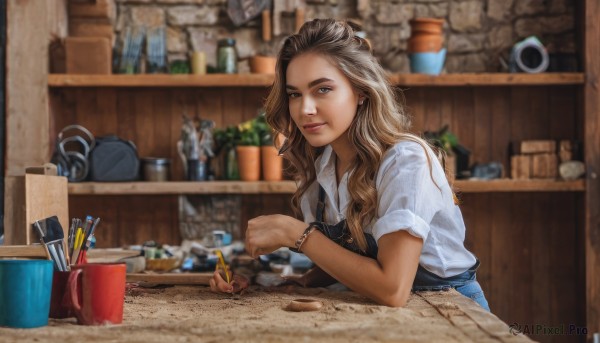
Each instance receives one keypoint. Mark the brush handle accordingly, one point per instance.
(54, 255)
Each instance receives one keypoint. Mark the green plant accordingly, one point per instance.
(255, 132)
(443, 139)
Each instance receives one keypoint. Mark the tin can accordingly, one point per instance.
(156, 169)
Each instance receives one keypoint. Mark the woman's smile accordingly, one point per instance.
(312, 127)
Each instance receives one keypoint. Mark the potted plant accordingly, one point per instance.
(248, 150)
(271, 162)
(225, 142)
(454, 157)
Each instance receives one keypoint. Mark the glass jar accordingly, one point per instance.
(226, 56)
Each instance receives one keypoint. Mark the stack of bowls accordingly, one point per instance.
(425, 46)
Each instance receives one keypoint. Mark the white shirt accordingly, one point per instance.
(408, 199)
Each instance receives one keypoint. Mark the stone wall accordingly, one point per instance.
(478, 32)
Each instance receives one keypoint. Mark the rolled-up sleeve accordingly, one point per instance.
(407, 195)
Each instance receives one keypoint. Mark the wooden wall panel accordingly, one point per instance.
(530, 256)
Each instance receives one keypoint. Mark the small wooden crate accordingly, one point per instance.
(33, 197)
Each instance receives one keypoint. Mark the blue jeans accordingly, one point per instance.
(465, 283)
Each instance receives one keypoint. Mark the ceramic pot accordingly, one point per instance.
(272, 163)
(426, 25)
(430, 63)
(262, 64)
(248, 162)
(425, 43)
(426, 35)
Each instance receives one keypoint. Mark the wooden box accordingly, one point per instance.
(544, 166)
(90, 28)
(537, 147)
(520, 167)
(88, 55)
(33, 197)
(101, 9)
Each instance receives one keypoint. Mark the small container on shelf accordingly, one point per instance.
(155, 169)
(226, 56)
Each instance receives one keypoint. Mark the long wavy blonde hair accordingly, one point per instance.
(379, 123)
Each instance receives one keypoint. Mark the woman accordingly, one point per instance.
(383, 220)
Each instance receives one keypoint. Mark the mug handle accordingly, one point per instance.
(72, 295)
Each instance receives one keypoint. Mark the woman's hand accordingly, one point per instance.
(266, 234)
(219, 285)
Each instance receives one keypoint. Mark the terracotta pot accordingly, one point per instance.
(248, 162)
(426, 25)
(272, 163)
(262, 64)
(425, 43)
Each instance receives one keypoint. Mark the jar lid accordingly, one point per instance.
(226, 42)
(156, 160)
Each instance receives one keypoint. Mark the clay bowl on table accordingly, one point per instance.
(303, 305)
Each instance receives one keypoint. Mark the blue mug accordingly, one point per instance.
(25, 289)
(427, 62)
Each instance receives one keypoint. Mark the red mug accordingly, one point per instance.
(96, 293)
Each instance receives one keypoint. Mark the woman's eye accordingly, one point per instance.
(324, 90)
(293, 95)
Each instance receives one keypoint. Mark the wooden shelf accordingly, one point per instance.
(160, 80)
(509, 185)
(182, 187)
(288, 187)
(262, 80)
(488, 79)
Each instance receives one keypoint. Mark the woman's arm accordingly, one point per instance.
(387, 280)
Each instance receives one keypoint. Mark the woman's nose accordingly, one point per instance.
(308, 106)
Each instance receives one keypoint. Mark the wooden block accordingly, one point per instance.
(33, 197)
(544, 166)
(520, 167)
(538, 146)
(104, 9)
(90, 28)
(30, 251)
(46, 169)
(172, 278)
(88, 55)
(565, 150)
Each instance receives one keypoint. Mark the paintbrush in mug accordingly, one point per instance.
(87, 242)
(50, 247)
(77, 246)
(72, 231)
(56, 235)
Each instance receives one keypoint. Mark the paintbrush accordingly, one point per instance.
(88, 238)
(221, 263)
(53, 241)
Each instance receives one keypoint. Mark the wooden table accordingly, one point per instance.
(193, 313)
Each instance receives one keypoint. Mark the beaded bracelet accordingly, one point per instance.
(302, 238)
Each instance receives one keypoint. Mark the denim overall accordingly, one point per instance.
(465, 283)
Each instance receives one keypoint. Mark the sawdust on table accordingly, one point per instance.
(194, 314)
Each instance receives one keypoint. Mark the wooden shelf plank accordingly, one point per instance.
(182, 187)
(263, 80)
(488, 79)
(288, 187)
(509, 185)
(160, 80)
